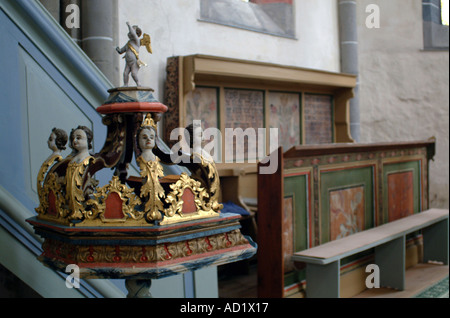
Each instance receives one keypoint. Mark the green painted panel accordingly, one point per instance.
(409, 166)
(342, 181)
(296, 194)
(296, 187)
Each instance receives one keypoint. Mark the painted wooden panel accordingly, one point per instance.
(243, 109)
(403, 188)
(346, 212)
(328, 95)
(202, 104)
(400, 195)
(346, 191)
(288, 233)
(318, 118)
(296, 217)
(297, 193)
(284, 114)
(352, 187)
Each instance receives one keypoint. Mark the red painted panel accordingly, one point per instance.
(400, 195)
(188, 201)
(113, 209)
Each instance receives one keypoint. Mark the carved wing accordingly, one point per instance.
(146, 41)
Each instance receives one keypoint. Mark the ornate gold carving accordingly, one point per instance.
(149, 121)
(44, 168)
(75, 196)
(174, 197)
(42, 189)
(212, 181)
(55, 185)
(174, 212)
(126, 195)
(136, 254)
(68, 194)
(152, 192)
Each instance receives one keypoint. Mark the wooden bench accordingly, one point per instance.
(320, 193)
(388, 240)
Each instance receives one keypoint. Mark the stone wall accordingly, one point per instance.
(404, 89)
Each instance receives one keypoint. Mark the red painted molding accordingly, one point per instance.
(132, 107)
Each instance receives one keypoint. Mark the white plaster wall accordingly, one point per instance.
(404, 90)
(175, 30)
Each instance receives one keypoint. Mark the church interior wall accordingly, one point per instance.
(403, 87)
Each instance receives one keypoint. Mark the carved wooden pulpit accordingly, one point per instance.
(137, 228)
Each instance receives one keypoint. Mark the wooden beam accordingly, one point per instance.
(329, 149)
(203, 67)
(270, 225)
